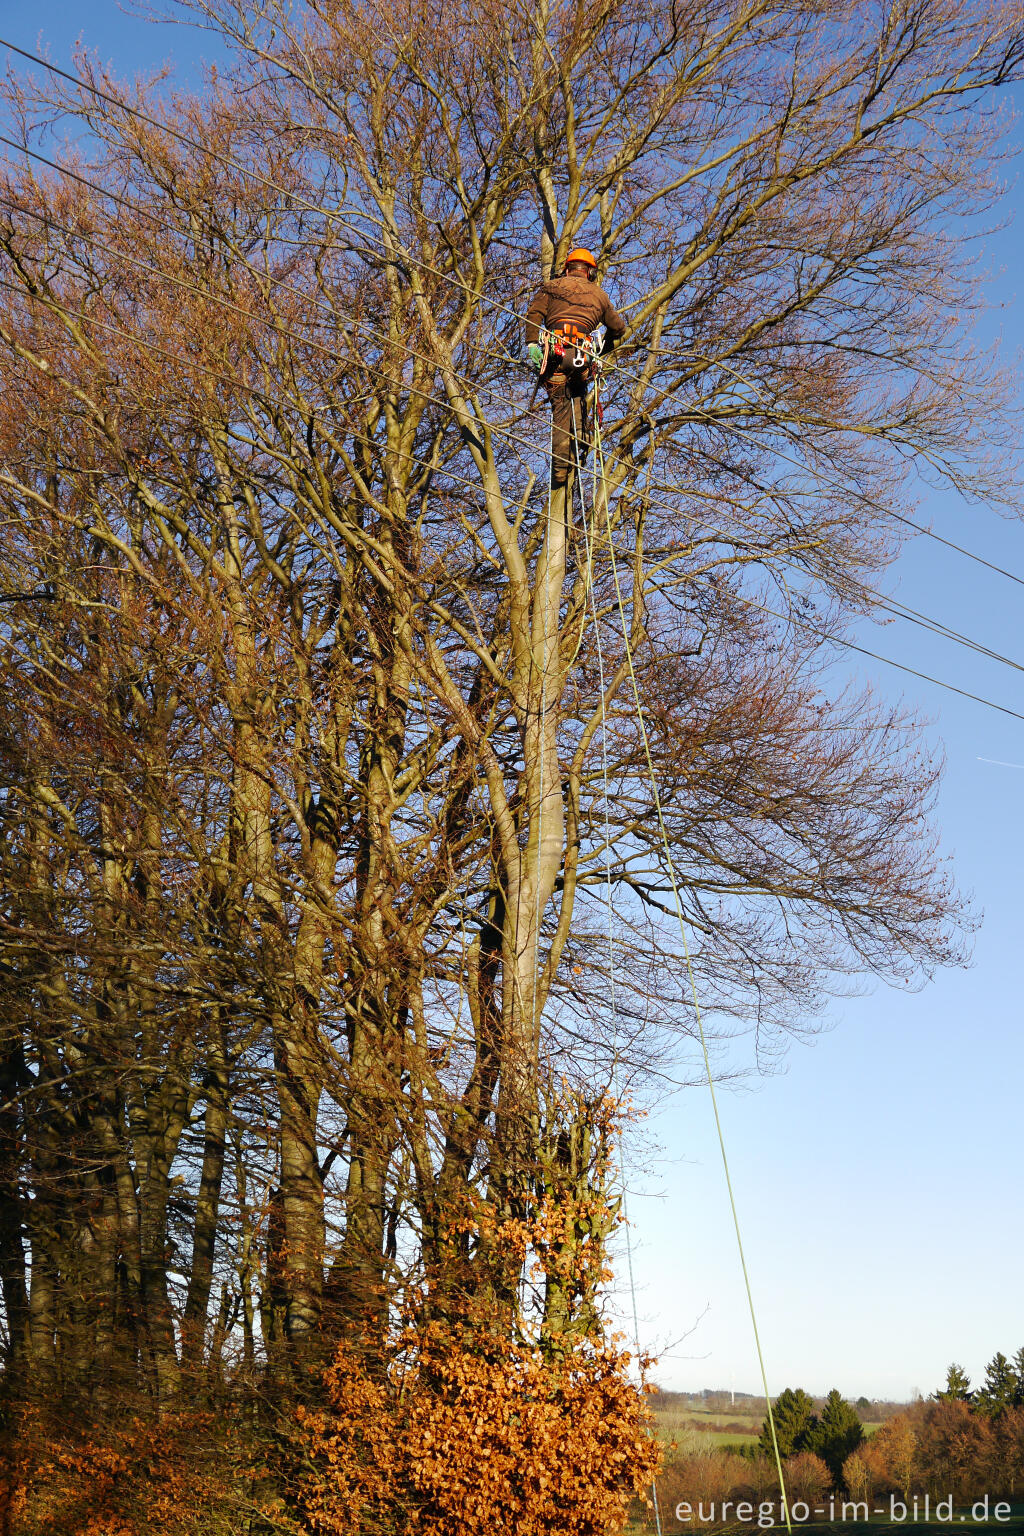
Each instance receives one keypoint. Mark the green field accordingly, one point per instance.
(693, 1428)
(682, 1424)
(726, 1437)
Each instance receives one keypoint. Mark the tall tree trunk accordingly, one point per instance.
(530, 880)
(298, 1077)
(204, 1232)
(13, 1271)
(377, 1005)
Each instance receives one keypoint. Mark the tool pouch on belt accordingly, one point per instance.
(568, 341)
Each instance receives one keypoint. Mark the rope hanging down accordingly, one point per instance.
(541, 718)
(600, 492)
(612, 996)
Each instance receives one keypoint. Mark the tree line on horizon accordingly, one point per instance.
(721, 1400)
(960, 1444)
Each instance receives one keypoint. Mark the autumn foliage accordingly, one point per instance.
(177, 1477)
(459, 1436)
(333, 879)
(946, 1449)
(477, 1436)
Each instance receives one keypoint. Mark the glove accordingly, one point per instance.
(535, 355)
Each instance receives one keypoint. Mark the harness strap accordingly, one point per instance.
(558, 342)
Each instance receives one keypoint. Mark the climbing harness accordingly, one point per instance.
(583, 344)
(556, 345)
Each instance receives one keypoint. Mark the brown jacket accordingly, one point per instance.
(573, 301)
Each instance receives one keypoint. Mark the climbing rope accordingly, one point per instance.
(543, 556)
(612, 998)
(600, 489)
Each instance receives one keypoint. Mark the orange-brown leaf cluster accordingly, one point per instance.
(146, 1477)
(946, 1449)
(475, 1436)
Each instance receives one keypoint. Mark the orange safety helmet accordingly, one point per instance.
(580, 254)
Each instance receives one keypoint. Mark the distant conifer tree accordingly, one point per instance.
(1001, 1386)
(836, 1434)
(1018, 1370)
(794, 1421)
(958, 1386)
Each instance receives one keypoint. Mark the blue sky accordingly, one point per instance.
(878, 1173)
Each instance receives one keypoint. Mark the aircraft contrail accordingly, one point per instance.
(999, 762)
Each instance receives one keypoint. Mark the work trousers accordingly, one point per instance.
(567, 391)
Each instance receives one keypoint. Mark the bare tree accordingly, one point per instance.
(318, 764)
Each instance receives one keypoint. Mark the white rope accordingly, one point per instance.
(608, 882)
(671, 870)
(542, 564)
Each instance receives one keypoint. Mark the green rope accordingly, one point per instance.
(599, 457)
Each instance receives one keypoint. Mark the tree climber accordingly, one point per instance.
(559, 321)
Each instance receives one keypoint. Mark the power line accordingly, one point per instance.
(900, 610)
(851, 645)
(333, 216)
(750, 602)
(879, 506)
